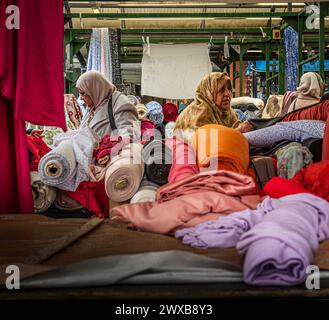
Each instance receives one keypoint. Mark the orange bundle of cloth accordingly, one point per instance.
(221, 148)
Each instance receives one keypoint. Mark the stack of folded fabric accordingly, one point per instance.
(222, 148)
(146, 192)
(43, 195)
(259, 103)
(190, 201)
(157, 157)
(67, 165)
(125, 173)
(155, 113)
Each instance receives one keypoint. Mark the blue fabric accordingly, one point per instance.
(181, 107)
(291, 51)
(99, 58)
(240, 115)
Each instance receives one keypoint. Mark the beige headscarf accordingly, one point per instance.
(309, 91)
(96, 86)
(203, 110)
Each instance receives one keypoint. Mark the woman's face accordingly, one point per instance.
(86, 99)
(224, 96)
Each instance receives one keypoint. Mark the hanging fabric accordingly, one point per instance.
(99, 57)
(24, 94)
(291, 52)
(115, 40)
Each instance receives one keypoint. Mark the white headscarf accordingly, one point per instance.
(309, 86)
(96, 86)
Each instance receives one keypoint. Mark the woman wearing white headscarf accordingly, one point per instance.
(309, 91)
(107, 108)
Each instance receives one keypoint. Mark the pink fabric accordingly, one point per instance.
(187, 209)
(27, 58)
(183, 160)
(227, 182)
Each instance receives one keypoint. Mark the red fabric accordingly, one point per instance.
(183, 160)
(279, 187)
(106, 145)
(318, 112)
(147, 131)
(31, 89)
(315, 178)
(38, 148)
(170, 112)
(92, 196)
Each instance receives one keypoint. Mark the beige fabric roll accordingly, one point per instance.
(43, 195)
(125, 173)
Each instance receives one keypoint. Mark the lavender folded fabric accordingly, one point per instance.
(280, 247)
(225, 232)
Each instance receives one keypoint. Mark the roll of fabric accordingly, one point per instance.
(259, 103)
(65, 203)
(245, 107)
(279, 248)
(295, 131)
(170, 112)
(216, 148)
(155, 113)
(183, 160)
(157, 157)
(109, 144)
(67, 165)
(181, 107)
(273, 106)
(43, 195)
(141, 111)
(292, 158)
(240, 115)
(147, 131)
(146, 192)
(169, 129)
(134, 100)
(125, 173)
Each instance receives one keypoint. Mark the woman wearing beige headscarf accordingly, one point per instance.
(212, 105)
(309, 91)
(103, 100)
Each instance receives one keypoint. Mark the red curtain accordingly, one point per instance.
(31, 89)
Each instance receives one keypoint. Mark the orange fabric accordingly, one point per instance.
(221, 148)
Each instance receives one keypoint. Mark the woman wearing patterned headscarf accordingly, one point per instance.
(103, 99)
(212, 105)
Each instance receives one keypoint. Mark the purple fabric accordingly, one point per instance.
(280, 247)
(225, 232)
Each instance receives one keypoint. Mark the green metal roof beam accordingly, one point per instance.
(182, 15)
